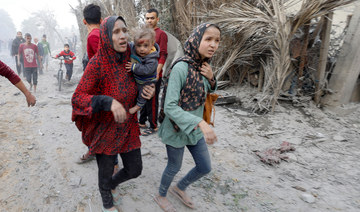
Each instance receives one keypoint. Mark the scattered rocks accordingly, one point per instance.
(41, 133)
(307, 198)
(75, 181)
(319, 135)
(145, 152)
(292, 157)
(339, 138)
(299, 188)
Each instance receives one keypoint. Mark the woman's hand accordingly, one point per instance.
(148, 91)
(118, 111)
(206, 71)
(128, 66)
(209, 134)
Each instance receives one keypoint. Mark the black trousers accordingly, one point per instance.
(69, 70)
(18, 66)
(132, 167)
(150, 111)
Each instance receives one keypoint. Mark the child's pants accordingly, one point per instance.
(69, 70)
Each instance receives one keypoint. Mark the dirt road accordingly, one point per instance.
(39, 147)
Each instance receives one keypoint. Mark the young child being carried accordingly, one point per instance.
(69, 57)
(144, 61)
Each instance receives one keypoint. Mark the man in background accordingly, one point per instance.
(30, 53)
(15, 50)
(150, 110)
(41, 54)
(47, 52)
(92, 20)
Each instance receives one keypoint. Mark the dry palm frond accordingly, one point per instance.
(259, 32)
(311, 9)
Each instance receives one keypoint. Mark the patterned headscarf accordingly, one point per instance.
(192, 94)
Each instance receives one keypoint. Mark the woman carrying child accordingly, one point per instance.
(101, 102)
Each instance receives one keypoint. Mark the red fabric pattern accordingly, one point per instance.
(93, 42)
(7, 72)
(106, 75)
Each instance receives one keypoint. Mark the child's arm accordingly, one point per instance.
(58, 55)
(72, 56)
(146, 68)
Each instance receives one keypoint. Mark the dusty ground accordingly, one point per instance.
(39, 146)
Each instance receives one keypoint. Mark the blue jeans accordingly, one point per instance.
(201, 157)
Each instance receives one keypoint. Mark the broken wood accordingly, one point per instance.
(261, 78)
(222, 84)
(324, 50)
(226, 100)
(346, 72)
(243, 74)
(303, 57)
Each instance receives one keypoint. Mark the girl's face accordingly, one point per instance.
(209, 42)
(120, 36)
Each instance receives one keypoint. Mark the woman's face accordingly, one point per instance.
(209, 42)
(120, 36)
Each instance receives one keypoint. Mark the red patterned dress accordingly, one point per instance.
(106, 75)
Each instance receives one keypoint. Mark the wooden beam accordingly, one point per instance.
(347, 69)
(261, 78)
(324, 50)
(303, 56)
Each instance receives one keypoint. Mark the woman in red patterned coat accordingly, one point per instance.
(101, 102)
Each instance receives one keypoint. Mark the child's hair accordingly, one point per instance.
(144, 32)
(66, 45)
(92, 14)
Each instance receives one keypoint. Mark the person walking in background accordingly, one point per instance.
(101, 102)
(92, 20)
(69, 57)
(191, 77)
(15, 51)
(30, 52)
(150, 110)
(47, 52)
(41, 53)
(7, 72)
